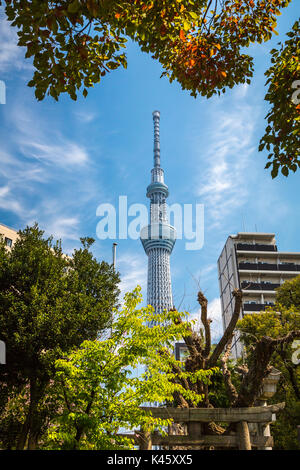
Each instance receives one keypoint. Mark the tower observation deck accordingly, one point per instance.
(158, 238)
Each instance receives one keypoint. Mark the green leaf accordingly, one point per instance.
(274, 171)
(194, 15)
(73, 7)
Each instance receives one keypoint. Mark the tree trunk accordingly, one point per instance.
(24, 432)
(33, 440)
(145, 442)
(30, 429)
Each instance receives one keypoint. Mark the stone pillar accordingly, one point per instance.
(263, 429)
(194, 429)
(243, 436)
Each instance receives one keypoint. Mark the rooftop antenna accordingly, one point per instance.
(243, 220)
(255, 228)
(114, 250)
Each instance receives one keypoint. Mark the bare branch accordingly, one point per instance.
(228, 334)
(284, 339)
(231, 390)
(192, 340)
(182, 299)
(206, 323)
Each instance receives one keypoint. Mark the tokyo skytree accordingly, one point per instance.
(158, 238)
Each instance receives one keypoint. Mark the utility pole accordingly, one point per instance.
(114, 250)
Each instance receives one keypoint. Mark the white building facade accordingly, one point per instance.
(9, 235)
(251, 262)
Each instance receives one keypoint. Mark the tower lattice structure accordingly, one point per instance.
(158, 238)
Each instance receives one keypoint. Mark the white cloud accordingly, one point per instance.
(44, 174)
(9, 202)
(64, 154)
(64, 228)
(241, 91)
(37, 140)
(223, 186)
(4, 190)
(11, 55)
(214, 313)
(11, 205)
(18, 172)
(85, 116)
(133, 270)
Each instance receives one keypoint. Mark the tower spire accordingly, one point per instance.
(158, 238)
(156, 119)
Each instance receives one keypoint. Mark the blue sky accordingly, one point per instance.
(59, 161)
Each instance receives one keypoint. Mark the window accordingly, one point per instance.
(181, 351)
(8, 242)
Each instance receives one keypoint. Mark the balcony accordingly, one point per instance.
(259, 285)
(269, 266)
(289, 267)
(256, 307)
(255, 247)
(258, 266)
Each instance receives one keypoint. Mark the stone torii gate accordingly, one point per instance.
(194, 418)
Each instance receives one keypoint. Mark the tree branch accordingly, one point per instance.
(206, 323)
(231, 390)
(228, 334)
(259, 368)
(192, 340)
(178, 398)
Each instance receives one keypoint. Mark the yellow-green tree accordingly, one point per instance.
(101, 386)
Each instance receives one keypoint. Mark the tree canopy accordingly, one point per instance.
(201, 44)
(86, 394)
(102, 385)
(282, 135)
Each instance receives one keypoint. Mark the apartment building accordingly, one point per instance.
(252, 262)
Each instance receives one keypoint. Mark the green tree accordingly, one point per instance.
(277, 322)
(282, 135)
(102, 385)
(201, 44)
(49, 304)
(288, 294)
